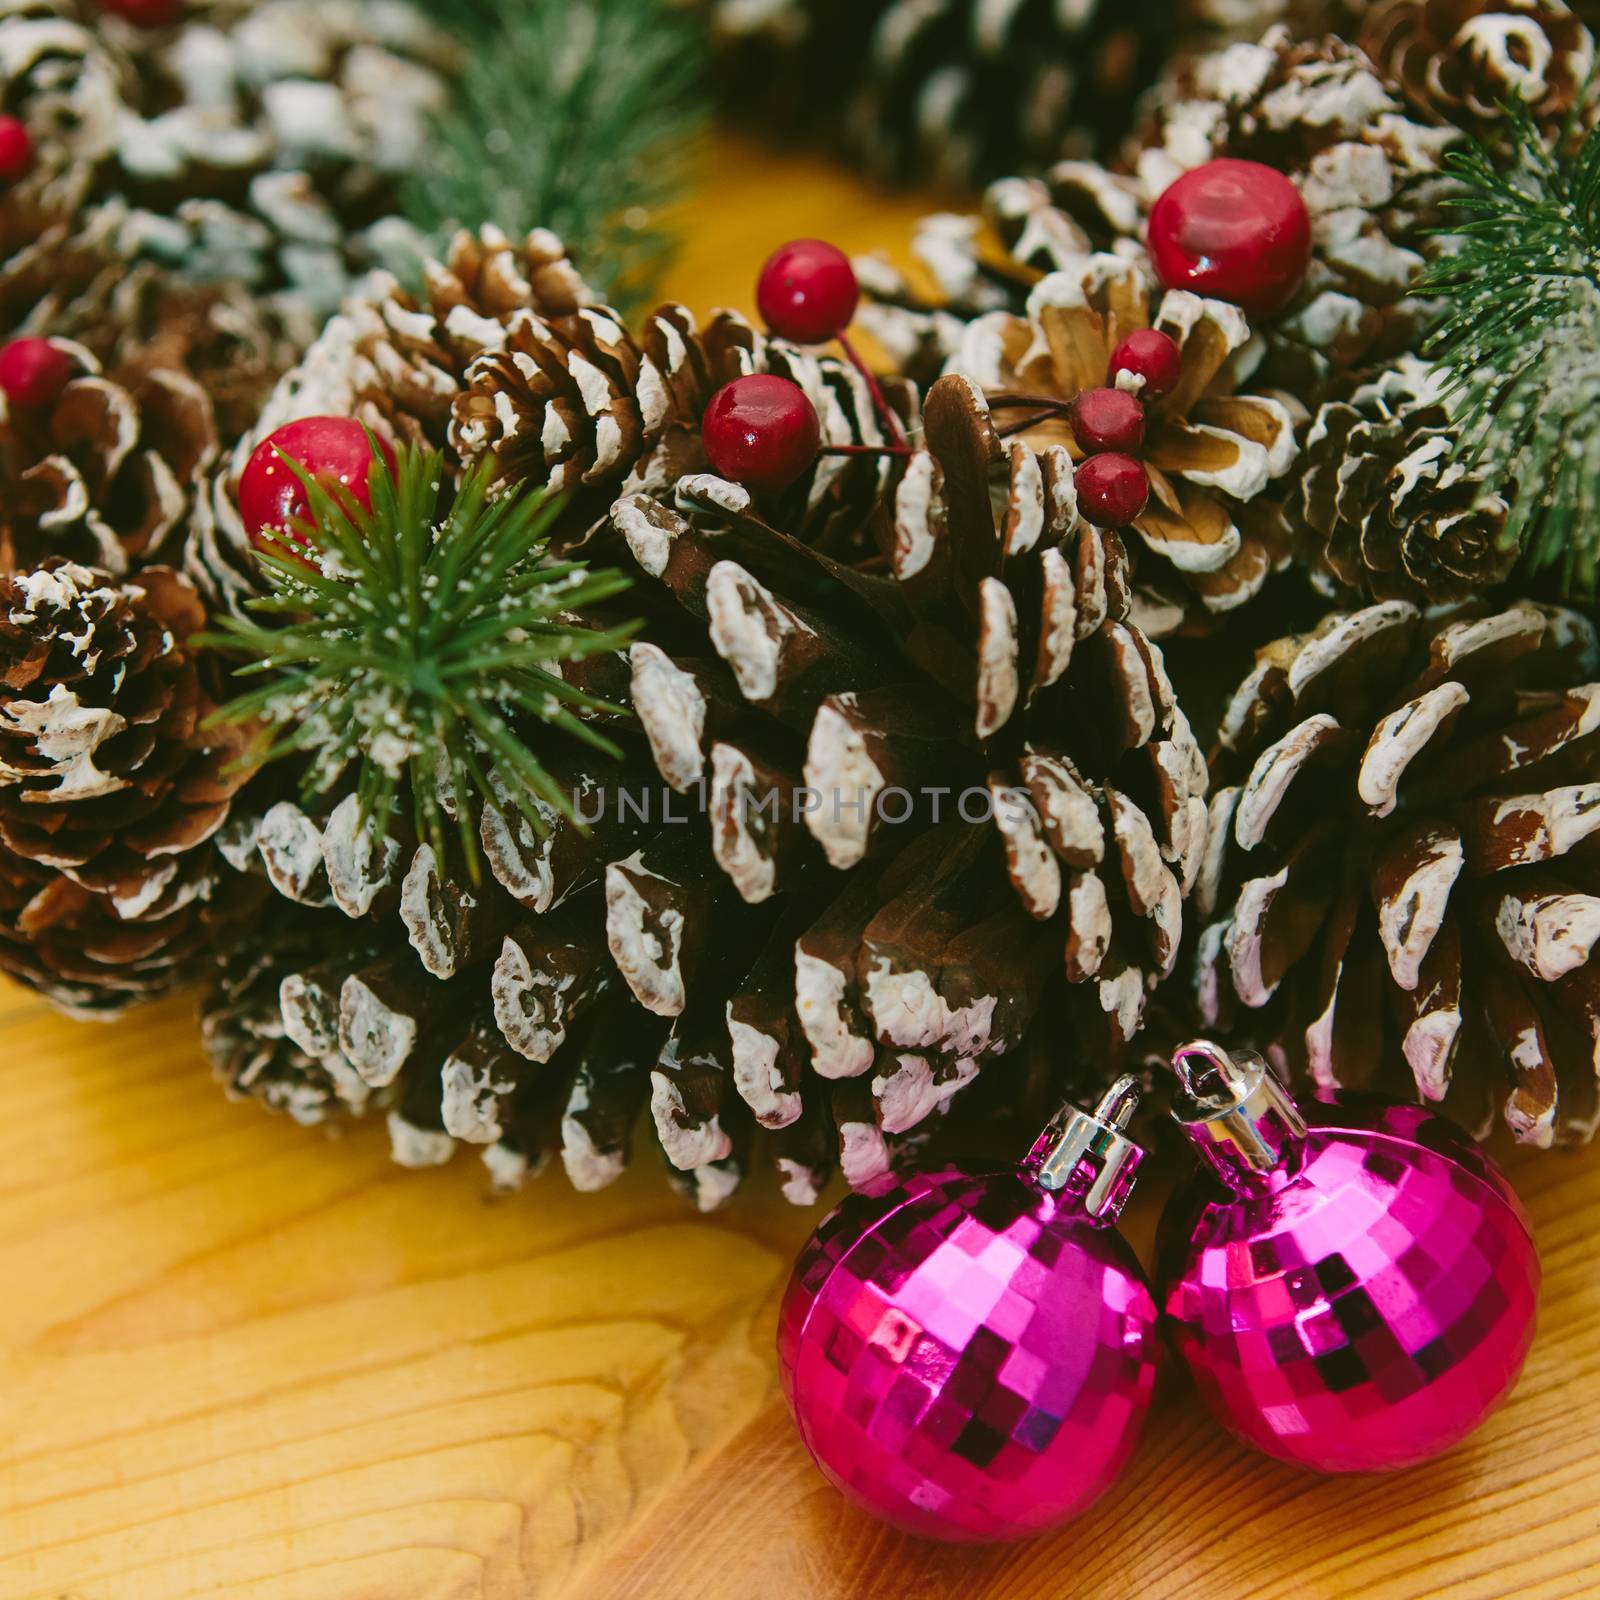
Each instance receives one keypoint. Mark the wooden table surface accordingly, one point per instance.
(241, 1359)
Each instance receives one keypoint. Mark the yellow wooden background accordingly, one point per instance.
(241, 1359)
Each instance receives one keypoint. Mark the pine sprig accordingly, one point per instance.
(422, 650)
(1520, 338)
(573, 115)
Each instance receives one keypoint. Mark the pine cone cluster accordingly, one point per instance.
(509, 352)
(256, 144)
(1399, 884)
(1465, 59)
(1387, 510)
(872, 809)
(111, 788)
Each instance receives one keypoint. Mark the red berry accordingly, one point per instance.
(145, 13)
(16, 150)
(1107, 419)
(332, 450)
(1112, 489)
(33, 372)
(1235, 230)
(761, 431)
(808, 291)
(1150, 355)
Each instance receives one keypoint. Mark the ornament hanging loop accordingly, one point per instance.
(1236, 1113)
(1088, 1157)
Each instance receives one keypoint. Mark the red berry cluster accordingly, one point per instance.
(761, 430)
(1113, 487)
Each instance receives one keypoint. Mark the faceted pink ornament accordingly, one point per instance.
(1359, 1292)
(971, 1357)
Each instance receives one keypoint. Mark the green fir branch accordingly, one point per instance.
(422, 649)
(1519, 338)
(573, 115)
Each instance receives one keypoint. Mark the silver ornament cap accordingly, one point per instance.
(1236, 1113)
(1088, 1156)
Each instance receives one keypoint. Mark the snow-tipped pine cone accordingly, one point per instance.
(396, 363)
(741, 959)
(110, 788)
(107, 474)
(1463, 60)
(1388, 513)
(1400, 875)
(256, 142)
(945, 89)
(1212, 533)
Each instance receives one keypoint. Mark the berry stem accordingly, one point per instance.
(1022, 424)
(865, 450)
(890, 421)
(1045, 402)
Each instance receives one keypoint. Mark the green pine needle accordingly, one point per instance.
(1520, 338)
(421, 650)
(573, 115)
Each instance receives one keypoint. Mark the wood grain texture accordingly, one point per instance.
(241, 1359)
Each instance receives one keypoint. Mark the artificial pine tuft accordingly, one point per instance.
(1520, 339)
(417, 643)
(571, 115)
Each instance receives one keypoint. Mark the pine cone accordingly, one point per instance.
(1388, 513)
(396, 364)
(1210, 535)
(580, 404)
(1400, 871)
(1464, 59)
(948, 89)
(254, 143)
(831, 972)
(1370, 176)
(105, 476)
(242, 1023)
(110, 789)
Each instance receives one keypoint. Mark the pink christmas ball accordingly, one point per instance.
(968, 1357)
(1369, 1307)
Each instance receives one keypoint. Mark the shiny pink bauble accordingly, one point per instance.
(1232, 230)
(966, 1356)
(334, 451)
(1370, 1307)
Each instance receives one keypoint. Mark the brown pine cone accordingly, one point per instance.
(395, 363)
(107, 475)
(1387, 513)
(580, 404)
(255, 142)
(1370, 176)
(1401, 872)
(868, 814)
(1210, 536)
(1464, 59)
(110, 789)
(242, 1022)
